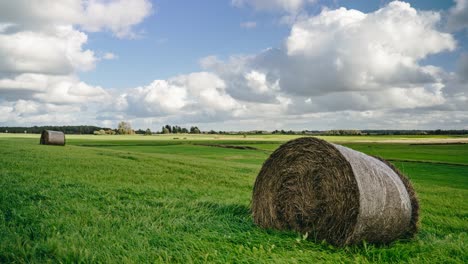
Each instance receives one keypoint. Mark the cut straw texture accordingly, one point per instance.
(334, 193)
(49, 137)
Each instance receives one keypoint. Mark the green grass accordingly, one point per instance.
(151, 199)
(451, 154)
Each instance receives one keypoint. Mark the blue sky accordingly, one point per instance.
(235, 64)
(179, 33)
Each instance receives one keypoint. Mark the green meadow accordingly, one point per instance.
(159, 199)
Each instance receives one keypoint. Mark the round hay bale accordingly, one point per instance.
(49, 137)
(334, 193)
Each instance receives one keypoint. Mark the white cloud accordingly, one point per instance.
(5, 26)
(244, 80)
(199, 93)
(339, 52)
(388, 99)
(458, 16)
(59, 89)
(349, 50)
(207, 91)
(249, 24)
(338, 69)
(343, 61)
(42, 50)
(118, 16)
(26, 107)
(258, 82)
(290, 6)
(109, 56)
(57, 51)
(456, 86)
(158, 98)
(29, 113)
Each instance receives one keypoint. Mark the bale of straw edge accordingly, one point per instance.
(334, 193)
(49, 137)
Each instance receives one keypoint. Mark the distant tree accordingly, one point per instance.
(99, 132)
(165, 130)
(124, 128)
(343, 132)
(168, 127)
(140, 132)
(184, 130)
(176, 129)
(194, 130)
(148, 132)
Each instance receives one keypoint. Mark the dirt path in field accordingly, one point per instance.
(228, 146)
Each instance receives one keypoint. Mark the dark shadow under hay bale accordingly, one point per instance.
(49, 137)
(334, 193)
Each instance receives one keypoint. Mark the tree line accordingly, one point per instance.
(167, 129)
(125, 128)
(65, 129)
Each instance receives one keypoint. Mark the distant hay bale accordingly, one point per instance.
(49, 137)
(334, 193)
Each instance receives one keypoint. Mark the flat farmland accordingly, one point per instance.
(186, 198)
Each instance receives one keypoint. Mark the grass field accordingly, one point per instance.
(160, 199)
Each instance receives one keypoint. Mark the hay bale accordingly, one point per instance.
(334, 193)
(49, 137)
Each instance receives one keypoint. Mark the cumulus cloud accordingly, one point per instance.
(42, 51)
(57, 89)
(200, 94)
(338, 69)
(158, 98)
(359, 68)
(56, 51)
(345, 60)
(458, 16)
(30, 112)
(244, 80)
(117, 16)
(456, 86)
(42, 66)
(349, 50)
(388, 99)
(357, 51)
